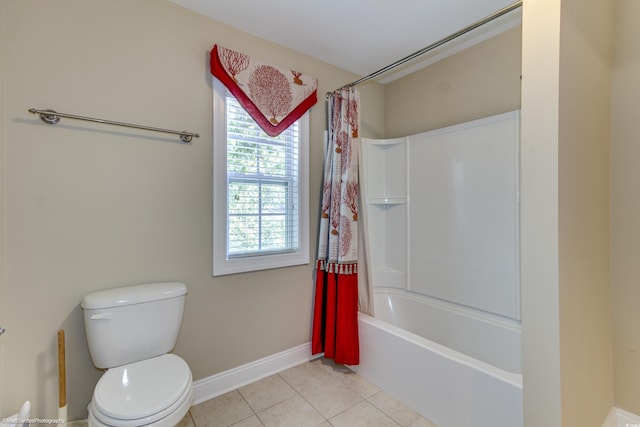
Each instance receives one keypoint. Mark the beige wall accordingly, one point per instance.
(625, 204)
(586, 343)
(90, 206)
(478, 82)
(2, 222)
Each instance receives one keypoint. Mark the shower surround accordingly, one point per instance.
(442, 218)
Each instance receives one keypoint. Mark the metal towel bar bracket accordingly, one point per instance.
(52, 117)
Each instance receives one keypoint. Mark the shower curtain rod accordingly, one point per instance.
(52, 117)
(432, 46)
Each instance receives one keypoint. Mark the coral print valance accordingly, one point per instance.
(274, 97)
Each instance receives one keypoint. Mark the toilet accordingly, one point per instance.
(130, 332)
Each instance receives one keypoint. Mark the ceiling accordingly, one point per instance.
(359, 36)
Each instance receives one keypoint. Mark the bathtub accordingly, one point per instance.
(445, 385)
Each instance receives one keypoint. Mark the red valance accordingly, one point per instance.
(274, 97)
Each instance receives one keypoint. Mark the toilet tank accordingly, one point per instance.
(133, 323)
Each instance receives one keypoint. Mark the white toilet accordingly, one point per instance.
(130, 331)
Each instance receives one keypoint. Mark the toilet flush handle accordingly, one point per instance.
(102, 316)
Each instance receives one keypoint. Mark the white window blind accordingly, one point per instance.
(262, 186)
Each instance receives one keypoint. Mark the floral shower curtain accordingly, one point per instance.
(335, 321)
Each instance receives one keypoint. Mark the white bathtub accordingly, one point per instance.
(493, 339)
(448, 387)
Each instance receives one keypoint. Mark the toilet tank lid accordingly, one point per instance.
(135, 294)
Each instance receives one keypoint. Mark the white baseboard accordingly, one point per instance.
(620, 418)
(223, 382)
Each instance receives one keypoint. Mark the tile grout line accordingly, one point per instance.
(253, 411)
(340, 376)
(302, 397)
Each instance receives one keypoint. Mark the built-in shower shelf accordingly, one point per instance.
(385, 183)
(387, 201)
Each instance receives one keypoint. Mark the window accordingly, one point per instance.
(260, 200)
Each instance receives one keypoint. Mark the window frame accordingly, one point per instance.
(222, 263)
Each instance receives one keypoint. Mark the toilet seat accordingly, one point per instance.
(143, 392)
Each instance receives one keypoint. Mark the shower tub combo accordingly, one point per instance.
(442, 218)
(449, 387)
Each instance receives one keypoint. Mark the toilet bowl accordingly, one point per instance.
(130, 331)
(156, 392)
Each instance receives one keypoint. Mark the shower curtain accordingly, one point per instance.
(335, 321)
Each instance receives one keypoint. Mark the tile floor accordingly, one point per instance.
(317, 393)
